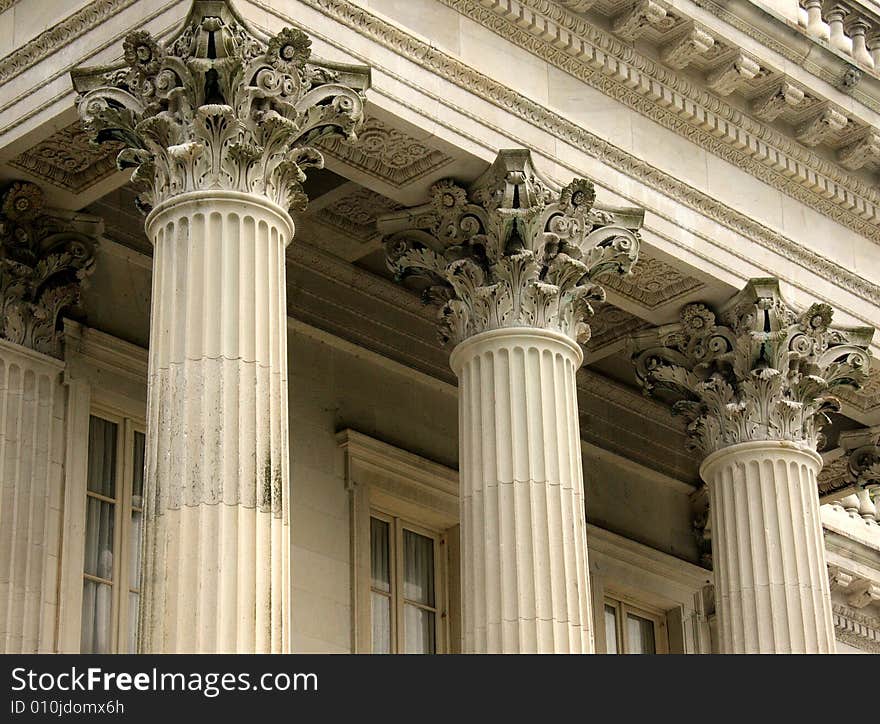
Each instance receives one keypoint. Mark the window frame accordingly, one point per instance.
(396, 564)
(623, 606)
(424, 494)
(107, 375)
(120, 584)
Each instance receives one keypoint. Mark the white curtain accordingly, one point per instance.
(418, 588)
(380, 598)
(100, 517)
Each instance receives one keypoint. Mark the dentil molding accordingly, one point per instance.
(611, 65)
(464, 76)
(449, 68)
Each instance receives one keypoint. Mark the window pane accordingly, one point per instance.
(99, 538)
(134, 549)
(137, 483)
(95, 637)
(133, 601)
(102, 457)
(419, 627)
(611, 630)
(640, 635)
(381, 607)
(418, 568)
(379, 554)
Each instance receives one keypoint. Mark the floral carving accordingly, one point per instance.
(510, 252)
(68, 159)
(219, 107)
(764, 372)
(43, 262)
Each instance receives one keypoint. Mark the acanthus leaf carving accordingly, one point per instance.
(44, 260)
(220, 107)
(763, 372)
(511, 252)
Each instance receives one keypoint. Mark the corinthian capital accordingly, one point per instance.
(220, 106)
(511, 251)
(763, 371)
(45, 255)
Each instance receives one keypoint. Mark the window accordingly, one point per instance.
(404, 549)
(404, 564)
(114, 525)
(632, 630)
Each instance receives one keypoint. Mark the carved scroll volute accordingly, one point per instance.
(766, 372)
(510, 251)
(45, 257)
(220, 106)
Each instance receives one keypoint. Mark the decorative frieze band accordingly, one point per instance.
(604, 62)
(504, 97)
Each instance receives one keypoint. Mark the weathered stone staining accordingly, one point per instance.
(746, 133)
(218, 124)
(755, 387)
(510, 261)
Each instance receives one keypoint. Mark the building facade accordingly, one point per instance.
(438, 326)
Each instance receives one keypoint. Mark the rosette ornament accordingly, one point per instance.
(764, 371)
(220, 106)
(510, 251)
(45, 256)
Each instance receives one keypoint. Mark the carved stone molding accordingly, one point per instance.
(510, 252)
(220, 106)
(652, 283)
(729, 76)
(680, 52)
(601, 60)
(851, 476)
(386, 153)
(864, 150)
(49, 41)
(482, 86)
(855, 629)
(69, 160)
(762, 372)
(609, 324)
(388, 35)
(45, 256)
(769, 106)
(355, 213)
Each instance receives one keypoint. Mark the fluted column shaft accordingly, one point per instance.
(771, 580)
(525, 585)
(31, 472)
(216, 537)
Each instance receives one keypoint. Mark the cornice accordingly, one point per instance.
(595, 57)
(390, 460)
(801, 59)
(857, 630)
(56, 37)
(462, 75)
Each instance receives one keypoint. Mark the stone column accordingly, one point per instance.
(216, 123)
(510, 262)
(755, 390)
(44, 256)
